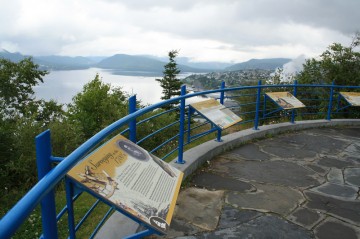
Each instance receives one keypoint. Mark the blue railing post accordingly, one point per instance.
(69, 187)
(328, 117)
(222, 93)
(256, 123)
(132, 123)
(222, 96)
(293, 110)
(181, 127)
(190, 112)
(43, 162)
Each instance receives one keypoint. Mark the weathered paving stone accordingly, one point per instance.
(200, 207)
(275, 172)
(317, 169)
(321, 143)
(335, 175)
(250, 152)
(335, 229)
(267, 198)
(305, 217)
(287, 152)
(342, 192)
(349, 131)
(352, 176)
(179, 227)
(216, 182)
(262, 227)
(346, 210)
(352, 152)
(332, 162)
(231, 217)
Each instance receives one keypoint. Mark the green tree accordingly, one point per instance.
(170, 84)
(338, 63)
(16, 84)
(97, 106)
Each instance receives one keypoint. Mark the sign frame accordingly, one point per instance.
(285, 100)
(216, 113)
(128, 178)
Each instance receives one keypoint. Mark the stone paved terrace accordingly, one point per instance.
(303, 184)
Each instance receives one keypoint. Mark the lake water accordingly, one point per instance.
(62, 86)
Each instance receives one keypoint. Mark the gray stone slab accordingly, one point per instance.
(280, 151)
(276, 172)
(353, 150)
(262, 227)
(346, 210)
(335, 229)
(231, 217)
(200, 207)
(303, 145)
(349, 131)
(268, 198)
(320, 170)
(342, 192)
(117, 226)
(352, 176)
(250, 152)
(334, 162)
(215, 182)
(335, 176)
(321, 143)
(306, 217)
(180, 227)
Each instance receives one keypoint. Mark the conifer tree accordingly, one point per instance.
(170, 84)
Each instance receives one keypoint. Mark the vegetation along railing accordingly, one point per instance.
(181, 128)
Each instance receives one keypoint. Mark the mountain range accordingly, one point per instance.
(141, 63)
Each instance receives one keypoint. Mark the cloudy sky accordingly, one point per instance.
(204, 30)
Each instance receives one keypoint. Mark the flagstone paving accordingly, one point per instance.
(296, 185)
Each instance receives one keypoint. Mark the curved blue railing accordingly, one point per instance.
(325, 102)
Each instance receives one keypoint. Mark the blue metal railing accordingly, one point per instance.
(186, 130)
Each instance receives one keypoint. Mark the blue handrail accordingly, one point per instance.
(51, 177)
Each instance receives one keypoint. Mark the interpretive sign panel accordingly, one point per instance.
(353, 98)
(285, 100)
(132, 180)
(216, 113)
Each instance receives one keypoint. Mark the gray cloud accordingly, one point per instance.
(227, 30)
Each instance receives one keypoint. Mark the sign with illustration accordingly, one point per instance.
(285, 100)
(132, 180)
(216, 113)
(353, 98)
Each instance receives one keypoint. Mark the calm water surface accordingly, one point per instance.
(62, 86)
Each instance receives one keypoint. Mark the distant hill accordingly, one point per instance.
(263, 64)
(141, 63)
(125, 62)
(52, 62)
(64, 62)
(15, 57)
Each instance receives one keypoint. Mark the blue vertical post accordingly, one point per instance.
(338, 103)
(43, 162)
(222, 93)
(256, 123)
(69, 187)
(222, 96)
(293, 110)
(190, 111)
(328, 117)
(264, 106)
(181, 127)
(132, 123)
